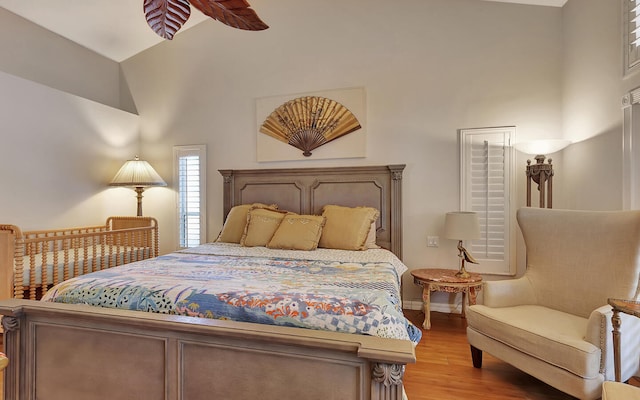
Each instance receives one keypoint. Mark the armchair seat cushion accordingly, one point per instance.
(553, 336)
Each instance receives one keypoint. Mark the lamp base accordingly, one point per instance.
(139, 190)
(462, 273)
(464, 256)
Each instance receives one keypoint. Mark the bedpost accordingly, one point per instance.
(396, 209)
(227, 201)
(11, 342)
(9, 236)
(6, 262)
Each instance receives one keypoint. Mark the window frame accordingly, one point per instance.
(631, 51)
(184, 151)
(508, 266)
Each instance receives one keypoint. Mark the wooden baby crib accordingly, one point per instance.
(31, 262)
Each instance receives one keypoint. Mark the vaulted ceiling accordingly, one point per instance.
(117, 28)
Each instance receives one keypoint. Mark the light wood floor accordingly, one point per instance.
(444, 370)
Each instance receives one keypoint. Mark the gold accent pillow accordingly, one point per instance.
(347, 228)
(298, 232)
(234, 226)
(262, 223)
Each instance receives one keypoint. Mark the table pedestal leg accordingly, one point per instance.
(615, 321)
(426, 300)
(473, 295)
(464, 303)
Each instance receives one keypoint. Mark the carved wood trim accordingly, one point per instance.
(396, 208)
(11, 326)
(387, 374)
(386, 381)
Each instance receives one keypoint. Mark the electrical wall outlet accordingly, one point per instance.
(432, 241)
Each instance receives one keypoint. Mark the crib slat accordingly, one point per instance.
(65, 257)
(76, 258)
(103, 258)
(56, 259)
(31, 248)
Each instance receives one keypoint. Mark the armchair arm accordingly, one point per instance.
(599, 334)
(508, 293)
(4, 361)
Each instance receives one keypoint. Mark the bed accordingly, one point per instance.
(29, 258)
(63, 350)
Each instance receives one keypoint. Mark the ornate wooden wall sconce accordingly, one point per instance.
(542, 174)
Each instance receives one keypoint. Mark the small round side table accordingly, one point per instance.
(445, 280)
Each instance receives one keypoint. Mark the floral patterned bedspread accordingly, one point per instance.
(342, 291)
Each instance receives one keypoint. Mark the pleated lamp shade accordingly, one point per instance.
(137, 173)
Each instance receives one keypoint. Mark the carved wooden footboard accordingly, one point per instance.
(59, 351)
(33, 261)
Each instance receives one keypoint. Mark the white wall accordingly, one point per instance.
(63, 134)
(58, 152)
(36, 54)
(429, 68)
(593, 87)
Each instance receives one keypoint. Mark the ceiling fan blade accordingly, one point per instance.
(234, 13)
(166, 17)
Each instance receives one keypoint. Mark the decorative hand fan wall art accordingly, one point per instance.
(166, 17)
(307, 123)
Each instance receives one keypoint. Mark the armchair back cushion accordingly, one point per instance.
(576, 260)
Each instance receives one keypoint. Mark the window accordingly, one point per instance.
(190, 167)
(631, 31)
(486, 185)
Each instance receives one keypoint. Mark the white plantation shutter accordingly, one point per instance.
(190, 173)
(631, 30)
(486, 188)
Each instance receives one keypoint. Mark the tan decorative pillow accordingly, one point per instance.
(298, 232)
(262, 223)
(347, 228)
(233, 228)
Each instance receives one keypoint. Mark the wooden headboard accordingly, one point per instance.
(307, 190)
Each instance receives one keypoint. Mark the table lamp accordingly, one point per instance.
(139, 175)
(462, 225)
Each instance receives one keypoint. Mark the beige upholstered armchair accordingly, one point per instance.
(554, 322)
